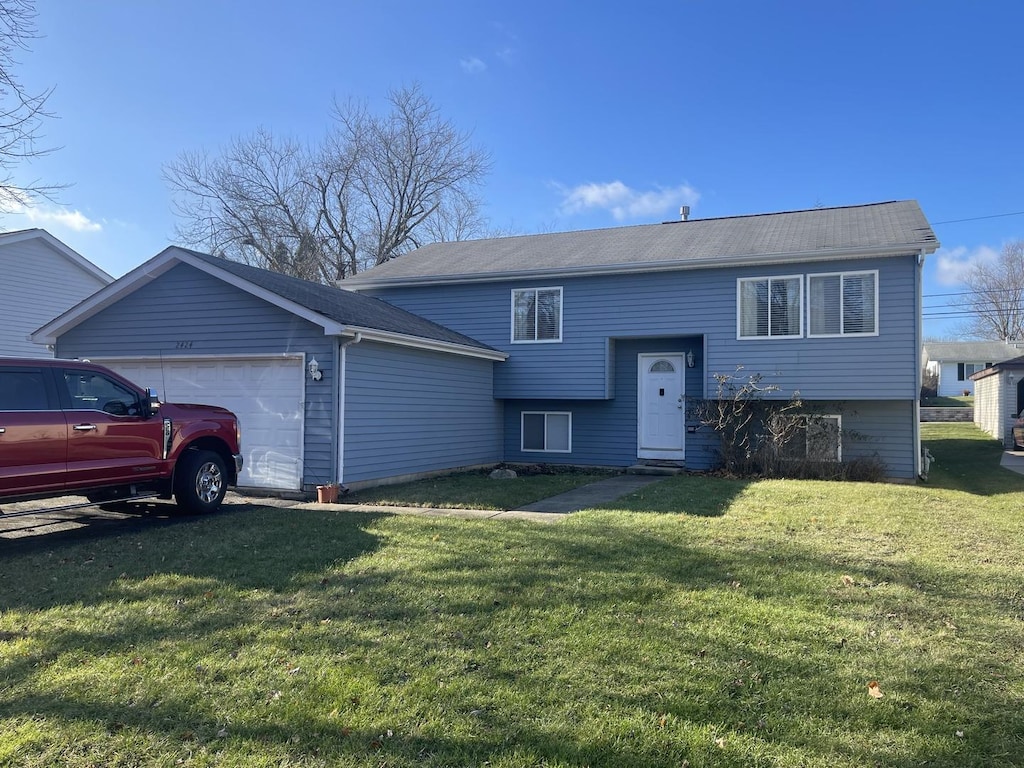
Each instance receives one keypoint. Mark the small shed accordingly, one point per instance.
(999, 398)
(329, 385)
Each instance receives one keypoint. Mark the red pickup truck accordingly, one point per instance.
(68, 427)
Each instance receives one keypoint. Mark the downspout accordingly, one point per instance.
(920, 471)
(342, 357)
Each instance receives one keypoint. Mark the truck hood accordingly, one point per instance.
(194, 411)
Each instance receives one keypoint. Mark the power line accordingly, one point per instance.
(978, 218)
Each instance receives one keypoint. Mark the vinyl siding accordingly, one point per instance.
(39, 285)
(675, 304)
(604, 432)
(186, 312)
(409, 411)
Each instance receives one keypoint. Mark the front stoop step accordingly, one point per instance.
(655, 469)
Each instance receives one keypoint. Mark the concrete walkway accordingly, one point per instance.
(546, 510)
(1013, 460)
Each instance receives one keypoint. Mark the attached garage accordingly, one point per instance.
(264, 392)
(202, 329)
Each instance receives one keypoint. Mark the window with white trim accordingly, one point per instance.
(548, 431)
(816, 438)
(843, 304)
(769, 307)
(536, 315)
(964, 371)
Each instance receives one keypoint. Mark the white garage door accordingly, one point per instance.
(265, 393)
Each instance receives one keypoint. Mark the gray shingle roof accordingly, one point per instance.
(794, 235)
(343, 307)
(970, 351)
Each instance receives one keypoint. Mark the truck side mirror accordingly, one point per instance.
(152, 402)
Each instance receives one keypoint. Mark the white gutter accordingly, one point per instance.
(743, 260)
(918, 338)
(340, 400)
(418, 342)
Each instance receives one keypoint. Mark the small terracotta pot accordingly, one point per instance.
(327, 494)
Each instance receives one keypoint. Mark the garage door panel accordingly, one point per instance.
(266, 394)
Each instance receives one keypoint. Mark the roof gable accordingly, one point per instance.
(828, 233)
(337, 312)
(71, 255)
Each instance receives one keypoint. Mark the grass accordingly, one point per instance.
(475, 490)
(702, 622)
(956, 401)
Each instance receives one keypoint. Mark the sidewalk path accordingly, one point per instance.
(1013, 460)
(546, 510)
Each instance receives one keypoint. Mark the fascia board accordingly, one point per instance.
(663, 266)
(418, 342)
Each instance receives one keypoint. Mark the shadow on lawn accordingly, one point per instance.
(284, 578)
(971, 466)
(447, 608)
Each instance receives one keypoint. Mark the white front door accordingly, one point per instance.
(660, 408)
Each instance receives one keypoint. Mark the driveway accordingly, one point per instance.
(54, 518)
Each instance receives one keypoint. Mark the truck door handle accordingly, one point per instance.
(85, 428)
(2, 430)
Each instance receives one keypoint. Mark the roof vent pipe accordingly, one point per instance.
(684, 212)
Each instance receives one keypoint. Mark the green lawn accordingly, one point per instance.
(702, 622)
(956, 401)
(475, 490)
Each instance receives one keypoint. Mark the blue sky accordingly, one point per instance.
(595, 114)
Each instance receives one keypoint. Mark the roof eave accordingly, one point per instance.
(744, 260)
(419, 342)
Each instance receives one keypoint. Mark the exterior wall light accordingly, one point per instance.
(691, 360)
(314, 369)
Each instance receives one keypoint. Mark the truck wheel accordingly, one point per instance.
(200, 481)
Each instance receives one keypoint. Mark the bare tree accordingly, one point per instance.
(995, 296)
(21, 113)
(376, 187)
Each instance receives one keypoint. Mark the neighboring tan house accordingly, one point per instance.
(574, 348)
(42, 278)
(999, 398)
(611, 333)
(954, 362)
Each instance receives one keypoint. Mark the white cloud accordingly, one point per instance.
(472, 65)
(59, 217)
(951, 264)
(623, 202)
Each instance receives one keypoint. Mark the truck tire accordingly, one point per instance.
(200, 481)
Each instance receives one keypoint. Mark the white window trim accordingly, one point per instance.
(839, 424)
(841, 275)
(545, 414)
(739, 308)
(561, 313)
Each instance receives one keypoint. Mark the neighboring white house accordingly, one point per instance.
(956, 361)
(999, 398)
(42, 278)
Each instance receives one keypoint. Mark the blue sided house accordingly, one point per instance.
(582, 348)
(611, 333)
